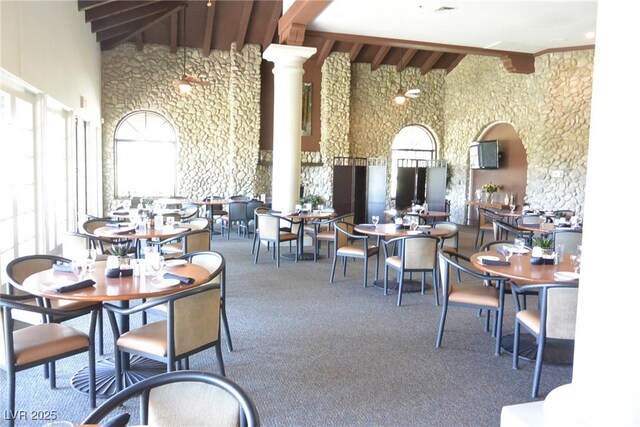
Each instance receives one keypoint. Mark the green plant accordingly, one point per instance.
(491, 187)
(314, 199)
(543, 242)
(119, 249)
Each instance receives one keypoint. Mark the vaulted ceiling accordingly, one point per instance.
(216, 24)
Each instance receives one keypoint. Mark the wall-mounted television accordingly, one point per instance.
(484, 155)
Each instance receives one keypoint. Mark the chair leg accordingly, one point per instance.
(344, 266)
(443, 316)
(400, 283)
(100, 333)
(219, 359)
(225, 325)
(516, 344)
(538, 368)
(276, 251)
(366, 270)
(386, 279)
(255, 260)
(52, 375)
(11, 390)
(423, 280)
(333, 269)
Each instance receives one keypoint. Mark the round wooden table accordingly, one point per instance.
(122, 289)
(303, 217)
(522, 271)
(129, 231)
(429, 215)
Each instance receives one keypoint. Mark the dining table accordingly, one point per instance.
(302, 218)
(390, 231)
(521, 271)
(127, 230)
(121, 290)
(428, 216)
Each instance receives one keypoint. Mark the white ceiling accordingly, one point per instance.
(511, 25)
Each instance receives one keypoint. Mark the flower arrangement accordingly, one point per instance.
(314, 199)
(491, 187)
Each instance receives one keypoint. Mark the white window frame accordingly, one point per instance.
(414, 150)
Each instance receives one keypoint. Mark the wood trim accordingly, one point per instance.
(293, 24)
(455, 63)
(113, 8)
(114, 32)
(355, 50)
(377, 60)
(408, 44)
(208, 30)
(523, 64)
(325, 50)
(110, 44)
(431, 60)
(243, 23)
(139, 42)
(89, 4)
(173, 42)
(406, 58)
(134, 15)
(276, 11)
(565, 49)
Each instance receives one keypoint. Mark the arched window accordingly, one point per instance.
(414, 142)
(146, 156)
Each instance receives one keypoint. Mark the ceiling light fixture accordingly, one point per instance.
(209, 3)
(590, 35)
(400, 99)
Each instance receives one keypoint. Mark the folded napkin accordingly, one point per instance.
(366, 226)
(182, 279)
(63, 267)
(75, 286)
(127, 231)
(426, 232)
(495, 263)
(113, 225)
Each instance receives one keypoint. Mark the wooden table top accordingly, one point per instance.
(521, 270)
(390, 230)
(310, 215)
(426, 215)
(106, 289)
(129, 232)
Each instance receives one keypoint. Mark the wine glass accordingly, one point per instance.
(92, 254)
(575, 261)
(157, 265)
(413, 224)
(78, 268)
(512, 207)
(508, 252)
(520, 244)
(375, 219)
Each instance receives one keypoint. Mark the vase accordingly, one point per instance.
(489, 197)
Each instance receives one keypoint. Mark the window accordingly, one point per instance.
(413, 142)
(146, 156)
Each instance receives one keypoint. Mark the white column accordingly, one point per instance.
(287, 117)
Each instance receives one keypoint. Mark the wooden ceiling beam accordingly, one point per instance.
(377, 60)
(134, 15)
(243, 23)
(173, 35)
(406, 58)
(114, 32)
(455, 63)
(293, 24)
(272, 26)
(113, 8)
(143, 25)
(325, 51)
(89, 4)
(208, 30)
(355, 50)
(518, 63)
(431, 60)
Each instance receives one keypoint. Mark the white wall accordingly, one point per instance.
(48, 45)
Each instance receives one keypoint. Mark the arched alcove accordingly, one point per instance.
(512, 173)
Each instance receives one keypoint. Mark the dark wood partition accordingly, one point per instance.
(411, 182)
(350, 187)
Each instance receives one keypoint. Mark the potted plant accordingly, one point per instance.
(314, 199)
(490, 188)
(119, 253)
(542, 250)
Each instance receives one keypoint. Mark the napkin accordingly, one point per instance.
(75, 286)
(496, 263)
(366, 226)
(428, 233)
(113, 225)
(63, 267)
(128, 231)
(182, 279)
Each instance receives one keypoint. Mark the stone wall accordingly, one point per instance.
(549, 109)
(217, 126)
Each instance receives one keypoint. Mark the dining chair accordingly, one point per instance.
(239, 197)
(323, 231)
(198, 223)
(570, 239)
(188, 211)
(183, 398)
(20, 268)
(252, 205)
(192, 325)
(503, 231)
(416, 254)
(553, 319)
(180, 244)
(350, 245)
(270, 232)
(473, 294)
(42, 344)
(256, 231)
(104, 244)
(450, 241)
(485, 223)
(237, 215)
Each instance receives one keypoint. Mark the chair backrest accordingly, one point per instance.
(252, 205)
(341, 230)
(561, 310)
(177, 216)
(564, 213)
(22, 267)
(269, 226)
(259, 211)
(195, 317)
(571, 239)
(213, 261)
(75, 245)
(198, 223)
(196, 240)
(91, 225)
(239, 197)
(185, 398)
(237, 211)
(419, 252)
(451, 238)
(188, 211)
(528, 219)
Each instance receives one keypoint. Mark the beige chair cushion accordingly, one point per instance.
(150, 338)
(285, 236)
(474, 294)
(531, 319)
(39, 342)
(327, 235)
(192, 404)
(357, 251)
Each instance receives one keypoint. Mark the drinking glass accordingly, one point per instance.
(92, 254)
(508, 252)
(413, 224)
(375, 219)
(519, 244)
(78, 268)
(575, 261)
(170, 220)
(157, 265)
(320, 208)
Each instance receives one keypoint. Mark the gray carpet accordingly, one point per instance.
(312, 353)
